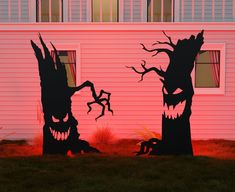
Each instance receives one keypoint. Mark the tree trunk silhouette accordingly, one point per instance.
(177, 92)
(60, 133)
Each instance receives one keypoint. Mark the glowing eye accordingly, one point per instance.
(66, 118)
(55, 120)
(177, 91)
(165, 91)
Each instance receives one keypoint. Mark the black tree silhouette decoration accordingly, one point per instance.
(60, 133)
(177, 92)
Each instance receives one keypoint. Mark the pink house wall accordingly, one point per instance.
(104, 55)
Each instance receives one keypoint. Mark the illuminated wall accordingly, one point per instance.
(104, 53)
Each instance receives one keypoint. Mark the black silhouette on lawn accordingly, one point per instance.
(60, 133)
(177, 92)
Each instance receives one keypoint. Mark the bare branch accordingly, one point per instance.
(46, 50)
(167, 51)
(170, 40)
(170, 43)
(161, 43)
(160, 72)
(100, 100)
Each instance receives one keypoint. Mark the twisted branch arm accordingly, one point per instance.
(160, 72)
(170, 43)
(158, 50)
(99, 99)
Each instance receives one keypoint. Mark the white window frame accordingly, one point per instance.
(32, 11)
(218, 90)
(176, 10)
(77, 48)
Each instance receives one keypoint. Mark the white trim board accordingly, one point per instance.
(127, 26)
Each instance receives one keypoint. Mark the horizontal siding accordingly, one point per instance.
(104, 55)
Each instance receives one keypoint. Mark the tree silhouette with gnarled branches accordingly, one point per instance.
(177, 92)
(60, 133)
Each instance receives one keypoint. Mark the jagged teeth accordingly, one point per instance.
(60, 135)
(174, 111)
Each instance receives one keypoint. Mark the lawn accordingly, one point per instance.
(117, 169)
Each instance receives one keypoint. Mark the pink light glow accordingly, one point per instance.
(103, 60)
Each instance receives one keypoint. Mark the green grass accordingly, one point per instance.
(116, 174)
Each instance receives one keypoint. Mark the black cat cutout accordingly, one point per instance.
(177, 92)
(60, 133)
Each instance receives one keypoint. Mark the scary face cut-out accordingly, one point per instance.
(177, 101)
(60, 133)
(174, 103)
(177, 92)
(60, 128)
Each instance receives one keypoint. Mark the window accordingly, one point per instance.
(160, 10)
(206, 10)
(77, 10)
(14, 11)
(68, 58)
(207, 69)
(49, 10)
(209, 72)
(104, 10)
(133, 10)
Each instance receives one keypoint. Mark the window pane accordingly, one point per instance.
(45, 10)
(68, 58)
(149, 10)
(71, 74)
(208, 56)
(167, 11)
(107, 10)
(154, 9)
(207, 69)
(55, 10)
(96, 10)
(157, 10)
(203, 57)
(115, 10)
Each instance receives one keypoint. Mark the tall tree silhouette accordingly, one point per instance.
(177, 92)
(60, 133)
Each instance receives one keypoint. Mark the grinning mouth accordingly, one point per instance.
(60, 136)
(174, 111)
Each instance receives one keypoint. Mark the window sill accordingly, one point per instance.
(123, 26)
(209, 91)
